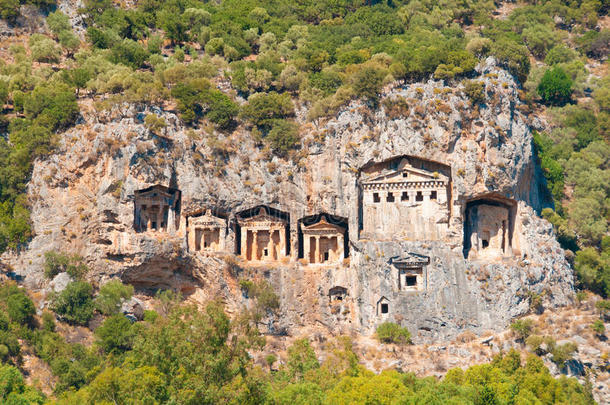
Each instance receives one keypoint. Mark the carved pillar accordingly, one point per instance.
(244, 243)
(306, 247)
(191, 238)
(159, 217)
(282, 232)
(426, 194)
(340, 248)
(412, 194)
(148, 223)
(317, 254)
(254, 245)
(171, 221)
(222, 234)
(202, 243)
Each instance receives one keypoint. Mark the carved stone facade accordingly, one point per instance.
(412, 275)
(263, 234)
(405, 198)
(157, 208)
(206, 233)
(323, 239)
(488, 229)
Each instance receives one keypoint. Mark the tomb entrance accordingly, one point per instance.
(411, 271)
(323, 238)
(206, 232)
(157, 208)
(263, 234)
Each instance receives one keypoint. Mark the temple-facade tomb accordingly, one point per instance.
(488, 230)
(263, 234)
(411, 271)
(157, 208)
(206, 232)
(324, 238)
(407, 198)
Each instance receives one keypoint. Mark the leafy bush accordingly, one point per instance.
(475, 91)
(523, 328)
(115, 335)
(44, 49)
(129, 53)
(389, 332)
(111, 295)
(283, 137)
(555, 87)
(13, 389)
(598, 327)
(263, 109)
(563, 353)
(75, 303)
(55, 263)
(367, 83)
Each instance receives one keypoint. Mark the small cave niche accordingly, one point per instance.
(157, 208)
(323, 238)
(489, 227)
(262, 233)
(337, 294)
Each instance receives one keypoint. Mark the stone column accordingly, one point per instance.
(191, 239)
(148, 223)
(340, 248)
(282, 232)
(222, 235)
(244, 243)
(412, 194)
(306, 247)
(426, 194)
(254, 245)
(317, 254)
(159, 217)
(171, 221)
(202, 242)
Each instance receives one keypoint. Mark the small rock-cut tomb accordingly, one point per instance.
(411, 273)
(157, 208)
(207, 232)
(324, 238)
(337, 294)
(405, 198)
(489, 227)
(383, 307)
(263, 234)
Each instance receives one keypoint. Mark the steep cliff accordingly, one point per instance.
(82, 200)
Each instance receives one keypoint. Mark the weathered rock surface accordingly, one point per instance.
(83, 201)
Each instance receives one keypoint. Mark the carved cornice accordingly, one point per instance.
(405, 185)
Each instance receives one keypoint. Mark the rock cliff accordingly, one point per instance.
(82, 201)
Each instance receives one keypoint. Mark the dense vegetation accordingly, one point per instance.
(276, 54)
(181, 355)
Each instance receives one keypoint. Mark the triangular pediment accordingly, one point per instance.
(405, 173)
(207, 219)
(324, 225)
(410, 259)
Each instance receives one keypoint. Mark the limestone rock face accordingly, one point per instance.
(83, 200)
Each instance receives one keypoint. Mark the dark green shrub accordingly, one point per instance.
(389, 332)
(20, 308)
(115, 335)
(263, 109)
(283, 137)
(368, 82)
(523, 328)
(111, 295)
(555, 87)
(55, 263)
(598, 327)
(129, 53)
(475, 91)
(75, 303)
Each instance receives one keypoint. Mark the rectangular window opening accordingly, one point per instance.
(390, 197)
(419, 196)
(376, 197)
(404, 196)
(411, 281)
(385, 308)
(433, 195)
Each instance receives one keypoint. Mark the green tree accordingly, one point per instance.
(75, 303)
(55, 263)
(283, 136)
(115, 335)
(389, 332)
(111, 295)
(367, 83)
(555, 87)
